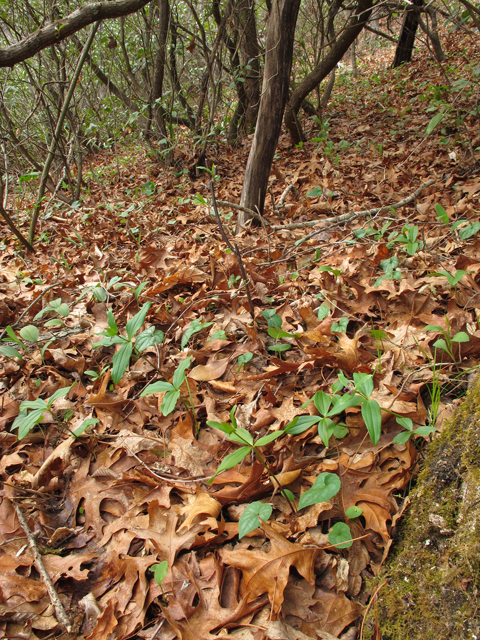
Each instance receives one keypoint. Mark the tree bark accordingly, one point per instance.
(159, 74)
(64, 28)
(433, 569)
(406, 41)
(432, 33)
(321, 71)
(250, 50)
(278, 64)
(472, 10)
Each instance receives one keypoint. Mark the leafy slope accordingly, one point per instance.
(133, 489)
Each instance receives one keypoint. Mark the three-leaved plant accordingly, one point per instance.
(147, 338)
(31, 414)
(171, 389)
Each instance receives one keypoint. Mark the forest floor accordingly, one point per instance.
(134, 486)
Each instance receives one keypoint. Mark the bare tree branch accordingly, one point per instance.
(65, 27)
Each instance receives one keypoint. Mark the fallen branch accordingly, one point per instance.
(281, 202)
(347, 217)
(37, 557)
(29, 307)
(237, 207)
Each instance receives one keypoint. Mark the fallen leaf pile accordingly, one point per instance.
(133, 490)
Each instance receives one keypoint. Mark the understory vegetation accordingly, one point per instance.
(215, 406)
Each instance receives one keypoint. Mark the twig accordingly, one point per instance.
(372, 599)
(233, 247)
(347, 217)
(253, 214)
(29, 307)
(55, 600)
(281, 202)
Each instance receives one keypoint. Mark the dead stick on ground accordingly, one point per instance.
(30, 306)
(237, 207)
(233, 247)
(372, 600)
(347, 217)
(55, 600)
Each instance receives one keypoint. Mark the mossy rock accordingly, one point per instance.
(434, 570)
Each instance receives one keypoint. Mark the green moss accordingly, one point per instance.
(434, 572)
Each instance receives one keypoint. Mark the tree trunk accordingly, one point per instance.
(250, 51)
(432, 33)
(433, 571)
(407, 36)
(159, 73)
(278, 64)
(321, 71)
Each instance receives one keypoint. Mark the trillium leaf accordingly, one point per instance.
(231, 460)
(300, 424)
(30, 333)
(157, 387)
(170, 401)
(372, 415)
(270, 437)
(121, 360)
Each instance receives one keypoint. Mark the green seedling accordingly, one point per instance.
(323, 311)
(453, 280)
(340, 326)
(353, 512)
(100, 292)
(29, 333)
(316, 192)
(273, 320)
(408, 237)
(171, 389)
(446, 343)
(194, 327)
(56, 306)
(232, 280)
(328, 406)
(243, 359)
(218, 335)
(160, 571)
(94, 375)
(240, 436)
(148, 338)
(135, 290)
(251, 516)
(407, 424)
(379, 335)
(391, 272)
(340, 536)
(335, 272)
(31, 412)
(442, 215)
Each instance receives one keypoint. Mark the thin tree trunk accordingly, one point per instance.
(159, 74)
(321, 71)
(278, 64)
(250, 50)
(58, 130)
(406, 41)
(432, 34)
(473, 11)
